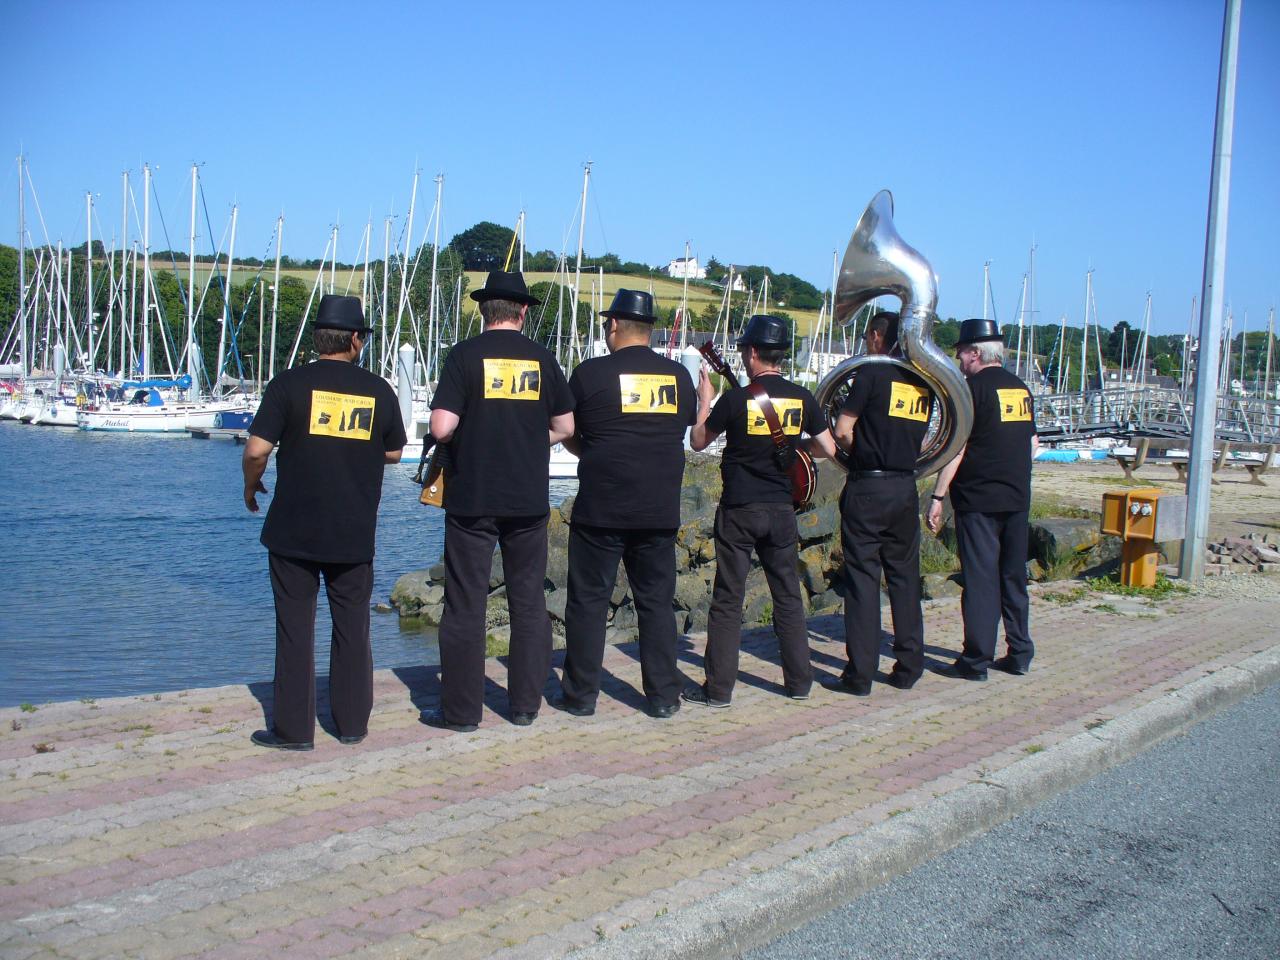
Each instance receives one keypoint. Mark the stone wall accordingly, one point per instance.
(1058, 546)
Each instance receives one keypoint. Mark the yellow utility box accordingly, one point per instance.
(1142, 519)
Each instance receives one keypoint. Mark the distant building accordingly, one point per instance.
(683, 267)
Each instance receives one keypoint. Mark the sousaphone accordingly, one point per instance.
(880, 263)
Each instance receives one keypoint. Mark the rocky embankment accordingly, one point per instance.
(1060, 547)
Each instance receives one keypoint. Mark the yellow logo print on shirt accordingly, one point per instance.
(908, 402)
(341, 415)
(648, 393)
(512, 379)
(790, 411)
(1015, 404)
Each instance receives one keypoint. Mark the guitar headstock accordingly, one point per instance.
(716, 361)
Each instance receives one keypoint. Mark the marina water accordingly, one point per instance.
(132, 566)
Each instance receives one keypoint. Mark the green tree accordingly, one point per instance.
(484, 246)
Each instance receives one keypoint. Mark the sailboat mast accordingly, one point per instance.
(193, 366)
(226, 306)
(22, 267)
(986, 287)
(432, 333)
(124, 271)
(1271, 334)
(364, 284)
(1084, 339)
(684, 301)
(404, 267)
(382, 314)
(582, 226)
(146, 271)
(1031, 312)
(88, 267)
(275, 298)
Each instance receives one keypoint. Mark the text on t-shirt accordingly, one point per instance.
(647, 393)
(908, 401)
(1014, 405)
(512, 379)
(790, 411)
(341, 415)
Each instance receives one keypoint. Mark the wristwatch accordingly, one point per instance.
(934, 496)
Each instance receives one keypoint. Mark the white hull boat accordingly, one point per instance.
(174, 417)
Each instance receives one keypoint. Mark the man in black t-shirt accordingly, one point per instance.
(882, 425)
(755, 510)
(337, 425)
(631, 410)
(501, 403)
(990, 486)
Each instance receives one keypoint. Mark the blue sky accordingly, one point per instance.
(757, 131)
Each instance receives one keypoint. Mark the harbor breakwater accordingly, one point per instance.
(1059, 547)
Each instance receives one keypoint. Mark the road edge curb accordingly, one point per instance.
(764, 906)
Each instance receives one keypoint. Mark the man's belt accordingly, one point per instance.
(871, 474)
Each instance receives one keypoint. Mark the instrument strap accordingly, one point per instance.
(761, 397)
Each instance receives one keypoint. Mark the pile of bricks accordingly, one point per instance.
(1251, 553)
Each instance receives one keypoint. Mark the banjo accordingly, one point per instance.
(796, 462)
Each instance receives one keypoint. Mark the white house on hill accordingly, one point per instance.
(683, 267)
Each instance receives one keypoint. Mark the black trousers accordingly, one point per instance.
(468, 558)
(993, 558)
(880, 530)
(770, 530)
(650, 560)
(296, 584)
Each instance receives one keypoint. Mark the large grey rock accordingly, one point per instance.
(621, 635)
(696, 620)
(495, 610)
(437, 571)
(831, 480)
(409, 595)
(818, 523)
(1057, 539)
(621, 587)
(556, 601)
(691, 589)
(756, 604)
(564, 512)
(814, 564)
(827, 602)
(496, 576)
(934, 586)
(695, 503)
(624, 616)
(557, 568)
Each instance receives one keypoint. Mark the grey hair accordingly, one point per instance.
(990, 352)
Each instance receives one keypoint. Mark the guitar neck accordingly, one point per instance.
(717, 363)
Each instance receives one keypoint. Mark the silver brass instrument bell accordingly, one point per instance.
(879, 263)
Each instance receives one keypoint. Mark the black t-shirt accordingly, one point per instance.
(995, 474)
(333, 422)
(506, 389)
(892, 406)
(631, 410)
(749, 468)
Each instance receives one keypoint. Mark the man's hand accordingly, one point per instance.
(251, 495)
(706, 392)
(933, 518)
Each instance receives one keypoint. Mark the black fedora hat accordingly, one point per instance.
(977, 330)
(631, 305)
(504, 286)
(340, 313)
(762, 330)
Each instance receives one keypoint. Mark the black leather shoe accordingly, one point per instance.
(663, 711)
(571, 708)
(1007, 665)
(841, 685)
(957, 672)
(435, 718)
(900, 680)
(524, 719)
(352, 741)
(699, 695)
(797, 694)
(268, 738)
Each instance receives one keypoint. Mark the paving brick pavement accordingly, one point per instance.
(151, 827)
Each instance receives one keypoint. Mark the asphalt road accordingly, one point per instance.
(1173, 855)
